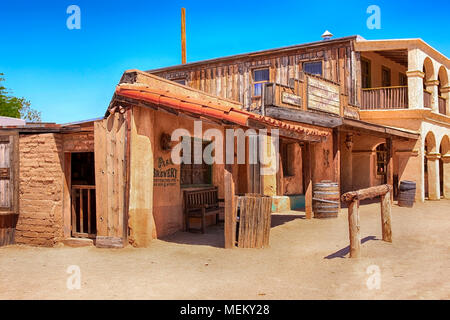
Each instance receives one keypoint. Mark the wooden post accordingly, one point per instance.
(386, 217)
(307, 178)
(354, 229)
(230, 208)
(337, 160)
(390, 166)
(183, 35)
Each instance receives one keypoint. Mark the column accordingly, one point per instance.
(445, 91)
(446, 168)
(432, 86)
(415, 89)
(433, 176)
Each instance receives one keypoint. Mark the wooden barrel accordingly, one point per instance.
(406, 193)
(326, 199)
(7, 228)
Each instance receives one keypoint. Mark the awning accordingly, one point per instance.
(377, 130)
(225, 114)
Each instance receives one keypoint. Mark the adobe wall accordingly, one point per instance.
(40, 189)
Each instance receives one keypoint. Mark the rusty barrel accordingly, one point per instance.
(326, 199)
(406, 193)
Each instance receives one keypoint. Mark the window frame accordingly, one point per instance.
(384, 68)
(258, 82)
(176, 80)
(369, 73)
(210, 166)
(383, 162)
(311, 62)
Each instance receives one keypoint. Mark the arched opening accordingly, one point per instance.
(431, 177)
(428, 70)
(444, 167)
(443, 82)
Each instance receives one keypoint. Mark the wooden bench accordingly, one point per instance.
(200, 203)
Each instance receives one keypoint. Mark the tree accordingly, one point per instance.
(14, 107)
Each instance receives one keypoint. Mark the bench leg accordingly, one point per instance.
(187, 223)
(217, 218)
(203, 220)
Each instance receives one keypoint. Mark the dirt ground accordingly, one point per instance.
(307, 259)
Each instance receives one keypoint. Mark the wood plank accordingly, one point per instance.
(301, 116)
(230, 217)
(354, 229)
(307, 178)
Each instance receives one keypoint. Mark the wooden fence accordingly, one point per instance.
(254, 220)
(83, 211)
(352, 198)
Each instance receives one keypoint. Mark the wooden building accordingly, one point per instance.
(113, 179)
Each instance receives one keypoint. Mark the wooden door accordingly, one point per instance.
(9, 174)
(110, 179)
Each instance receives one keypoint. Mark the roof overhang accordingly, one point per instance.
(401, 45)
(377, 130)
(160, 94)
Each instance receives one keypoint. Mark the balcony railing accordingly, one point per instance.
(442, 103)
(385, 98)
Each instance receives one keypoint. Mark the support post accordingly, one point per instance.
(230, 208)
(386, 217)
(307, 178)
(354, 229)
(390, 165)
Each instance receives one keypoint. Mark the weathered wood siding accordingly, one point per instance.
(232, 78)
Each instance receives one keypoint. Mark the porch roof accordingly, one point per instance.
(141, 94)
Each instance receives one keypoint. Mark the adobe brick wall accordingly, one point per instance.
(40, 189)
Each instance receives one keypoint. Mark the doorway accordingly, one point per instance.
(82, 172)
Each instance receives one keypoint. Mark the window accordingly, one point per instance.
(180, 81)
(381, 152)
(313, 67)
(385, 77)
(196, 174)
(260, 76)
(287, 159)
(365, 73)
(402, 79)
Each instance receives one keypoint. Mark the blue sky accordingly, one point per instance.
(70, 75)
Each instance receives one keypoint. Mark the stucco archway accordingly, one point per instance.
(444, 167)
(431, 167)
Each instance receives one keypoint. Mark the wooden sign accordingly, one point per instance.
(292, 99)
(351, 113)
(323, 95)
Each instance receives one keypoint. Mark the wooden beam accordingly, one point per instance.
(307, 179)
(354, 229)
(390, 165)
(183, 36)
(308, 117)
(386, 230)
(230, 213)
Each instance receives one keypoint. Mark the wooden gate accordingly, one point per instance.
(9, 173)
(83, 211)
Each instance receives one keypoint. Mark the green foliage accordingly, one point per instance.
(14, 107)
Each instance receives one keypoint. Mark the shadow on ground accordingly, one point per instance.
(344, 251)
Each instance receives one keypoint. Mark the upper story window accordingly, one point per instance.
(180, 81)
(402, 79)
(365, 73)
(313, 67)
(260, 76)
(385, 77)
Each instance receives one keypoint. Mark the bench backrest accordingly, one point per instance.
(207, 196)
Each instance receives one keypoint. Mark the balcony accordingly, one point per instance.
(394, 98)
(384, 98)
